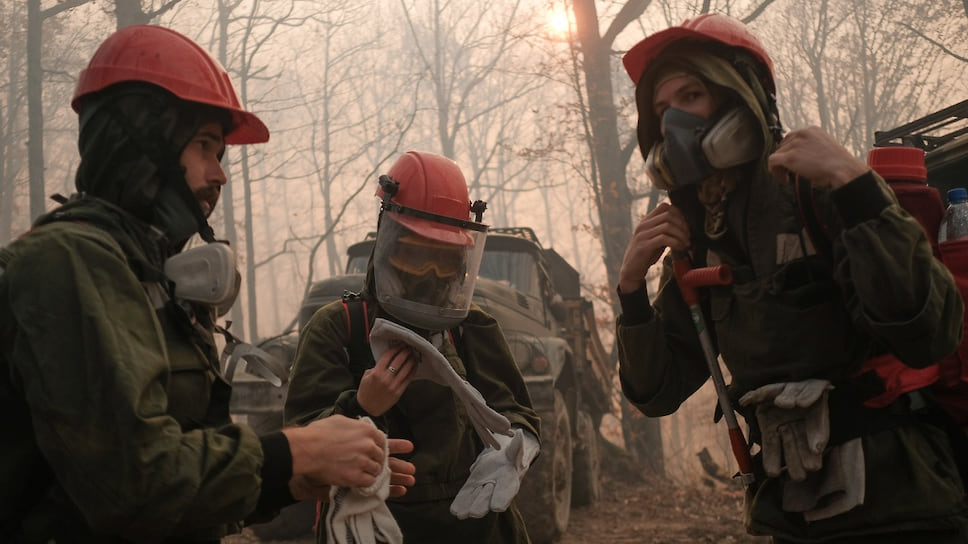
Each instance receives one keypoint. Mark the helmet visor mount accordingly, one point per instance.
(422, 277)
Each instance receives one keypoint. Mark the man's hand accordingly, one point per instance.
(401, 476)
(335, 450)
(381, 386)
(302, 489)
(663, 227)
(401, 472)
(815, 155)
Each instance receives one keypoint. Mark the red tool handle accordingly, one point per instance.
(741, 451)
(689, 278)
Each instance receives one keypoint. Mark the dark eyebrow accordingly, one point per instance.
(210, 135)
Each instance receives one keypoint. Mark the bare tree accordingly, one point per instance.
(131, 12)
(12, 97)
(127, 11)
(351, 126)
(860, 68)
(243, 34)
(35, 103)
(465, 53)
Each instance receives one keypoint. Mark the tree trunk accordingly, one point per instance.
(642, 435)
(35, 108)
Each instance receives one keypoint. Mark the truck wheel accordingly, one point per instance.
(586, 480)
(545, 499)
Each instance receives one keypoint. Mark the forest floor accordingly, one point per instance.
(639, 508)
(642, 508)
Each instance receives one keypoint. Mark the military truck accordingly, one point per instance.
(535, 295)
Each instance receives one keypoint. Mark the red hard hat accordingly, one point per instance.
(165, 58)
(434, 184)
(709, 27)
(898, 163)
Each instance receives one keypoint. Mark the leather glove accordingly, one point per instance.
(360, 515)
(794, 421)
(496, 476)
(435, 367)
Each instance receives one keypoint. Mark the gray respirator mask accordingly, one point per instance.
(693, 148)
(206, 274)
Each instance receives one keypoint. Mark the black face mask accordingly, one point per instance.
(177, 214)
(130, 141)
(682, 152)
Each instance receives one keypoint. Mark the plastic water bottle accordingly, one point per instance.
(954, 225)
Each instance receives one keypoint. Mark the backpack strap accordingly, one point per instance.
(818, 234)
(358, 330)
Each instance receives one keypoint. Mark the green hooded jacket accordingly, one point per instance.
(428, 414)
(792, 314)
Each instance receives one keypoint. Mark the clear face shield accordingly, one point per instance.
(425, 272)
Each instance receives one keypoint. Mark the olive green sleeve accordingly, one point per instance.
(894, 285)
(491, 369)
(91, 359)
(661, 362)
(321, 383)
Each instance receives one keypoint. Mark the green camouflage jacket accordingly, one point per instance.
(119, 426)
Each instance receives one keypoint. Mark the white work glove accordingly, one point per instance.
(496, 476)
(794, 421)
(360, 515)
(435, 367)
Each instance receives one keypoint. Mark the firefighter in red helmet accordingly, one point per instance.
(108, 362)
(802, 312)
(438, 369)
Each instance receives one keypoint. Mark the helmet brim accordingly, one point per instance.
(246, 129)
(449, 234)
(646, 51)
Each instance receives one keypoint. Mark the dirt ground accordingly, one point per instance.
(638, 508)
(651, 510)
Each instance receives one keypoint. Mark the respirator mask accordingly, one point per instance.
(693, 148)
(206, 274)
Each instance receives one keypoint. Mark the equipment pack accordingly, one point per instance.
(947, 381)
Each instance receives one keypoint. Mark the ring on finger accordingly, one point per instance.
(392, 370)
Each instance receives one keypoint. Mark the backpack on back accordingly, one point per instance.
(947, 380)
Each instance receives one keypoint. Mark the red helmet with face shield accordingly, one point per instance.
(428, 249)
(163, 57)
(432, 184)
